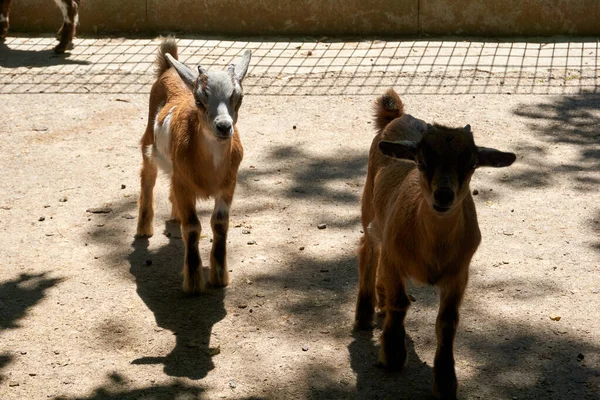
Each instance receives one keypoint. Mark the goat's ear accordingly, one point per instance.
(403, 149)
(241, 65)
(487, 157)
(187, 75)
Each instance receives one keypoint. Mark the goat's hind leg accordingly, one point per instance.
(146, 206)
(70, 10)
(219, 273)
(392, 352)
(367, 269)
(4, 25)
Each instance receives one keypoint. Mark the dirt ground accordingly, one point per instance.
(87, 312)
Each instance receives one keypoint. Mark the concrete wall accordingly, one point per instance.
(321, 17)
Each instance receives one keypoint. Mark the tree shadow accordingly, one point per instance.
(20, 294)
(17, 296)
(116, 389)
(5, 359)
(311, 176)
(567, 120)
(10, 58)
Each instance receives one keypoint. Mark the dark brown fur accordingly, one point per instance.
(66, 31)
(406, 237)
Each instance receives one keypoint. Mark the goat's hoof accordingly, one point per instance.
(392, 359)
(363, 324)
(194, 284)
(143, 234)
(218, 282)
(445, 387)
(60, 49)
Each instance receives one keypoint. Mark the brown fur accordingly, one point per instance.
(406, 238)
(66, 31)
(194, 173)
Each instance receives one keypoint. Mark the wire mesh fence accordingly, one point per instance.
(116, 65)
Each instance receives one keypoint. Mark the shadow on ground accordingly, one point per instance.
(10, 58)
(116, 389)
(17, 296)
(189, 318)
(567, 120)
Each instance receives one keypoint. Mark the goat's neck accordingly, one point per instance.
(440, 227)
(215, 150)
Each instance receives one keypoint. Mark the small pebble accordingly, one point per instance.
(127, 216)
(322, 226)
(41, 219)
(580, 357)
(294, 127)
(301, 248)
(475, 192)
(245, 232)
(232, 384)
(412, 298)
(251, 242)
(305, 348)
(13, 384)
(63, 199)
(123, 186)
(99, 210)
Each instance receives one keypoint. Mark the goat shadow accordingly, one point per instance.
(11, 58)
(190, 319)
(374, 382)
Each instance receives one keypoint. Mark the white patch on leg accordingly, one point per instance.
(64, 9)
(221, 207)
(3, 18)
(161, 150)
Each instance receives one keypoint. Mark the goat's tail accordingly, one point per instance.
(387, 108)
(168, 45)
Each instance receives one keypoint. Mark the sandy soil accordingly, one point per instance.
(87, 312)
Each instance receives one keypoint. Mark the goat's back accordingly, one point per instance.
(405, 127)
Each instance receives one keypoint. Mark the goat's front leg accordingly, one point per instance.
(444, 376)
(193, 279)
(146, 207)
(70, 9)
(219, 273)
(367, 269)
(392, 352)
(4, 25)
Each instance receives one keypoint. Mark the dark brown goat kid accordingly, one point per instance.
(192, 136)
(70, 12)
(420, 223)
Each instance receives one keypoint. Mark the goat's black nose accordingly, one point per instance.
(443, 197)
(224, 127)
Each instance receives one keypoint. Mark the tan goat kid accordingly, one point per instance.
(420, 222)
(191, 135)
